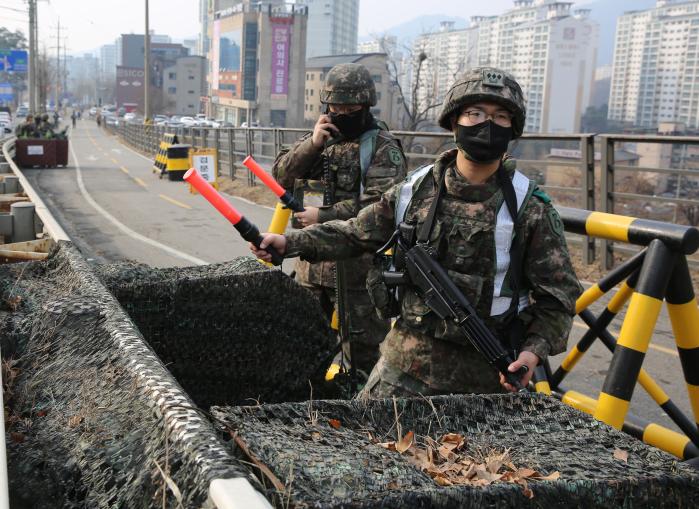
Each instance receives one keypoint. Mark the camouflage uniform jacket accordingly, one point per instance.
(421, 345)
(304, 161)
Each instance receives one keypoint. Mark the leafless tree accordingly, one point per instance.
(691, 212)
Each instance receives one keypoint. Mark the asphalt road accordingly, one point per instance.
(115, 208)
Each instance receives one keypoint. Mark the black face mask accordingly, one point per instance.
(482, 143)
(351, 125)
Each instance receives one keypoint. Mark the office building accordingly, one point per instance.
(332, 27)
(257, 62)
(318, 67)
(183, 86)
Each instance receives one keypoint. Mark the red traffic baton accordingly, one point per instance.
(246, 229)
(284, 196)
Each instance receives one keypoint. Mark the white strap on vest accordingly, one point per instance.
(406, 192)
(504, 232)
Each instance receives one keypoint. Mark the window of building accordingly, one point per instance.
(310, 108)
(191, 77)
(172, 90)
(376, 78)
(172, 75)
(190, 91)
(378, 96)
(311, 92)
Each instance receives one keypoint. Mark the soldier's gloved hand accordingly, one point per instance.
(275, 240)
(529, 359)
(323, 130)
(308, 216)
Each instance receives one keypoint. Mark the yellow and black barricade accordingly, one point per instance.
(160, 162)
(177, 161)
(658, 272)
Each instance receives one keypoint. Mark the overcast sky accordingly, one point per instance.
(91, 23)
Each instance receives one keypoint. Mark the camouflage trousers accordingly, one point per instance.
(367, 330)
(413, 363)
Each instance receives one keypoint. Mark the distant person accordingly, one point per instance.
(73, 117)
(99, 120)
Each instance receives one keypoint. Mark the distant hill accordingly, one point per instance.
(606, 12)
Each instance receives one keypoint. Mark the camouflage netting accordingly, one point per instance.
(93, 412)
(324, 467)
(229, 333)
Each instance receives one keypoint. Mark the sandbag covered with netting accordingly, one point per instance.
(347, 454)
(231, 333)
(94, 417)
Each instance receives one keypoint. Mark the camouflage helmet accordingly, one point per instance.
(348, 84)
(485, 84)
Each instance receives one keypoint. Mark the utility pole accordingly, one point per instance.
(32, 57)
(57, 96)
(146, 72)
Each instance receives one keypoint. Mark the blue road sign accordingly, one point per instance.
(13, 60)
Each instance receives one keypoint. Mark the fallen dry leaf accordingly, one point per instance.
(41, 413)
(553, 476)
(75, 421)
(622, 455)
(442, 481)
(17, 438)
(334, 423)
(405, 442)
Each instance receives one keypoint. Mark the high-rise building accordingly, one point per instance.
(257, 60)
(332, 27)
(550, 49)
(108, 60)
(656, 66)
(384, 44)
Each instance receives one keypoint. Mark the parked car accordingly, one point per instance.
(160, 119)
(5, 125)
(252, 124)
(111, 120)
(93, 111)
(129, 116)
(22, 112)
(188, 122)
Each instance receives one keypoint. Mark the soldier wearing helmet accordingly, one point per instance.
(351, 158)
(497, 235)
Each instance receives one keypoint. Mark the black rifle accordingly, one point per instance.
(343, 315)
(443, 297)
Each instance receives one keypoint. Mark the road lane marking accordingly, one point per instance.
(140, 182)
(124, 170)
(662, 349)
(114, 160)
(175, 202)
(121, 226)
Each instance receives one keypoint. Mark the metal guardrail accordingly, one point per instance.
(591, 192)
(609, 195)
(54, 230)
